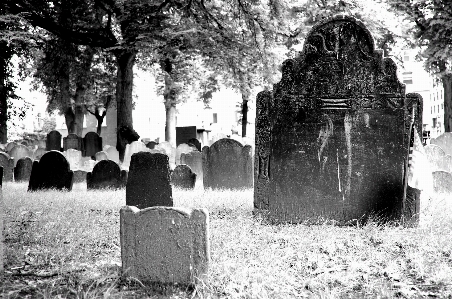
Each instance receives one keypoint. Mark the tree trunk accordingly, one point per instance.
(125, 60)
(170, 125)
(169, 95)
(447, 85)
(3, 100)
(244, 114)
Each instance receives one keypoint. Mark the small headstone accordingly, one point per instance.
(148, 182)
(194, 161)
(183, 148)
(22, 171)
(442, 182)
(437, 157)
(113, 154)
(151, 144)
(106, 174)
(51, 172)
(92, 143)
(132, 148)
(53, 141)
(8, 167)
(74, 158)
(101, 156)
(20, 151)
(227, 164)
(195, 142)
(169, 150)
(72, 141)
(183, 177)
(79, 176)
(165, 245)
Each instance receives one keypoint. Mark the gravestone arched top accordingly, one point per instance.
(226, 142)
(54, 157)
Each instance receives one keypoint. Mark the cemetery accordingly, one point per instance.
(336, 195)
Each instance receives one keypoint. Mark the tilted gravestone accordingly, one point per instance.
(101, 156)
(195, 142)
(53, 141)
(183, 177)
(332, 138)
(227, 164)
(148, 182)
(106, 174)
(22, 171)
(20, 151)
(165, 245)
(92, 143)
(8, 167)
(79, 176)
(183, 148)
(51, 172)
(72, 141)
(194, 161)
(444, 141)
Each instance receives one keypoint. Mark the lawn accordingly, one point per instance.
(66, 245)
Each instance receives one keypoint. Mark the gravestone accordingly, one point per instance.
(41, 143)
(37, 154)
(183, 177)
(79, 176)
(53, 141)
(106, 174)
(165, 245)
(112, 154)
(332, 138)
(183, 134)
(437, 157)
(195, 142)
(227, 164)
(72, 141)
(169, 150)
(151, 144)
(107, 146)
(74, 158)
(183, 148)
(20, 151)
(51, 172)
(8, 167)
(442, 181)
(101, 156)
(194, 161)
(92, 143)
(444, 141)
(132, 148)
(148, 182)
(22, 171)
(9, 146)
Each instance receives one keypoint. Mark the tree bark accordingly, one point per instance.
(125, 61)
(3, 100)
(244, 114)
(447, 85)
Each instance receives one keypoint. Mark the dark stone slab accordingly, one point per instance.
(332, 138)
(183, 177)
(22, 171)
(195, 142)
(73, 141)
(79, 176)
(92, 143)
(148, 182)
(183, 134)
(194, 161)
(227, 164)
(151, 144)
(53, 141)
(105, 174)
(51, 172)
(8, 167)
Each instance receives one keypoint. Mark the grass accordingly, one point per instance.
(66, 245)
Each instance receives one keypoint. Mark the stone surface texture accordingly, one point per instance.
(437, 157)
(51, 172)
(183, 177)
(148, 182)
(169, 150)
(74, 157)
(183, 148)
(442, 182)
(165, 245)
(332, 138)
(101, 156)
(112, 153)
(132, 148)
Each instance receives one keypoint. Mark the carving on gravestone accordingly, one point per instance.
(332, 137)
(53, 141)
(227, 164)
(8, 167)
(106, 174)
(183, 177)
(148, 182)
(72, 141)
(92, 143)
(22, 171)
(51, 172)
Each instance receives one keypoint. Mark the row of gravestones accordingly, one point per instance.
(88, 145)
(439, 154)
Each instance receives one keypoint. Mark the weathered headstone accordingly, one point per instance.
(194, 161)
(132, 148)
(332, 137)
(8, 167)
(437, 157)
(148, 182)
(79, 176)
(9, 146)
(183, 148)
(51, 172)
(183, 134)
(183, 177)
(442, 182)
(444, 141)
(113, 154)
(37, 154)
(165, 245)
(106, 174)
(72, 141)
(195, 142)
(101, 156)
(227, 164)
(22, 171)
(53, 141)
(74, 158)
(20, 151)
(92, 143)
(169, 150)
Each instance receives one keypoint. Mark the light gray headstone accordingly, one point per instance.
(101, 156)
(183, 148)
(132, 148)
(164, 244)
(168, 150)
(437, 157)
(20, 151)
(74, 158)
(112, 153)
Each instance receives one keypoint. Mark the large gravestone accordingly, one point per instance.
(165, 245)
(148, 182)
(194, 161)
(20, 151)
(92, 143)
(183, 134)
(22, 171)
(53, 141)
(227, 164)
(72, 141)
(106, 174)
(8, 167)
(51, 172)
(332, 138)
(183, 177)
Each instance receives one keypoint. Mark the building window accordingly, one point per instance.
(407, 77)
(406, 57)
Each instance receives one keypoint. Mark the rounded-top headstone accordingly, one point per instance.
(195, 142)
(183, 177)
(51, 172)
(22, 171)
(101, 156)
(105, 174)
